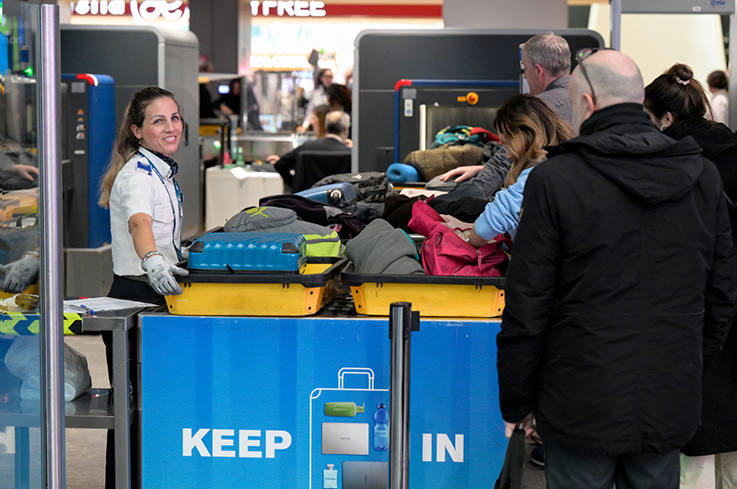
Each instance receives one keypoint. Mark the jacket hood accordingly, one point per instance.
(714, 138)
(621, 143)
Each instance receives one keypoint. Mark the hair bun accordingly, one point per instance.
(680, 73)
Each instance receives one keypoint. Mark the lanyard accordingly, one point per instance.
(178, 192)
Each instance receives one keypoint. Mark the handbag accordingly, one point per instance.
(513, 470)
(446, 253)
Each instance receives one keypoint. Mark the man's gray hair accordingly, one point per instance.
(549, 51)
(336, 122)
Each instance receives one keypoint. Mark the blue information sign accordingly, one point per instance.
(304, 403)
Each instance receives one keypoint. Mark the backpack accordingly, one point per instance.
(372, 186)
(459, 135)
(321, 240)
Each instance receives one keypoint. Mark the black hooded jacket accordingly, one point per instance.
(718, 430)
(621, 283)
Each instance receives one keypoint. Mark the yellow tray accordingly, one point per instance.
(221, 294)
(438, 296)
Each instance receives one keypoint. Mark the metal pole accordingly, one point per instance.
(397, 316)
(730, 71)
(52, 317)
(615, 41)
(405, 396)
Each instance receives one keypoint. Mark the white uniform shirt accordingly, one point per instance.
(137, 189)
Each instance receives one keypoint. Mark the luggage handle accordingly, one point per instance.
(355, 371)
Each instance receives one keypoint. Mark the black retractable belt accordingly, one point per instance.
(402, 321)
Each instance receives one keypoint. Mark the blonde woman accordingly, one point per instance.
(525, 125)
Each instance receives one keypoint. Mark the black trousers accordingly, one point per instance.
(568, 469)
(135, 290)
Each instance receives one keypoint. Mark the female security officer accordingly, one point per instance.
(144, 199)
(145, 215)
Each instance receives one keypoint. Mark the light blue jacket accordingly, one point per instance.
(502, 214)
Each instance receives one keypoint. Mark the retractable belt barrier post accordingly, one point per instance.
(402, 321)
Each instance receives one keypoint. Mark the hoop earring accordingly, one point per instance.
(662, 128)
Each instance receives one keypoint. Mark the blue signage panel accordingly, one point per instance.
(304, 402)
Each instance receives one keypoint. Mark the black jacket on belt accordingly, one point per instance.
(621, 286)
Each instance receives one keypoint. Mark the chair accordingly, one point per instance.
(312, 166)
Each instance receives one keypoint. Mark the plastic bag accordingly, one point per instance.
(23, 361)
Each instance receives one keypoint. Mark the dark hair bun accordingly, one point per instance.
(679, 72)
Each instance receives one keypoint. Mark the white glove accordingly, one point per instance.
(19, 274)
(161, 275)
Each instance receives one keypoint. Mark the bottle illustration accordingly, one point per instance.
(381, 428)
(344, 409)
(330, 478)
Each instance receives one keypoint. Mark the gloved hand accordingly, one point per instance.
(17, 276)
(161, 275)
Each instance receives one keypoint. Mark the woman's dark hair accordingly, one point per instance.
(717, 79)
(528, 124)
(320, 112)
(126, 143)
(676, 91)
(339, 97)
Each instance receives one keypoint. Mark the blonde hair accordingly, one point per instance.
(126, 143)
(528, 124)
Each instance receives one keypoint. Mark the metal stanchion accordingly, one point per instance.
(402, 321)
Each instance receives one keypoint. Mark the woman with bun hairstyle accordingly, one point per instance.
(679, 106)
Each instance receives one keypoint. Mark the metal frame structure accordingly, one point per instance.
(727, 7)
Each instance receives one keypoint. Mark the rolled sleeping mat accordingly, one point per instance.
(399, 172)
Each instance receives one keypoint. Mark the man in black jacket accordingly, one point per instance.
(337, 125)
(620, 289)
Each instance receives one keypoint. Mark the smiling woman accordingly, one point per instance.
(144, 198)
(145, 206)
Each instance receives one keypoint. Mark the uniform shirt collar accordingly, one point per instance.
(170, 163)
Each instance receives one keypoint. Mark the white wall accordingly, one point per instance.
(506, 14)
(656, 42)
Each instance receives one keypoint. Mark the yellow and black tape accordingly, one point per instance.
(19, 324)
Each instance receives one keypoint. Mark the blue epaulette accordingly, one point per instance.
(144, 167)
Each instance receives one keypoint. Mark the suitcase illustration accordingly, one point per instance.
(343, 430)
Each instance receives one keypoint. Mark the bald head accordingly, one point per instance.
(337, 122)
(615, 77)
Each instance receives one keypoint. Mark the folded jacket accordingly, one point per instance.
(383, 249)
(310, 210)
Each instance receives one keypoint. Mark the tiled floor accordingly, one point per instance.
(85, 453)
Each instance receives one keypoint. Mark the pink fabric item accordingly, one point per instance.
(426, 220)
(445, 253)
